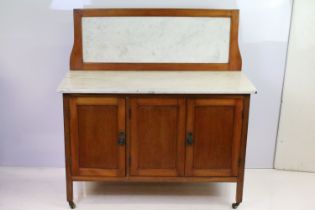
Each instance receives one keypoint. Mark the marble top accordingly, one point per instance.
(156, 82)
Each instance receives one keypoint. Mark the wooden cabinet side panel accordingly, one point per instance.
(74, 136)
(242, 153)
(66, 115)
(237, 132)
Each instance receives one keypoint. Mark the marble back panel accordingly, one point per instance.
(156, 39)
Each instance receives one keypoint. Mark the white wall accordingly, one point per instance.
(296, 140)
(35, 42)
(264, 32)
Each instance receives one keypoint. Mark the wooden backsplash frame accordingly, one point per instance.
(234, 63)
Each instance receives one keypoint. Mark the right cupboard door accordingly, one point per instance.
(213, 136)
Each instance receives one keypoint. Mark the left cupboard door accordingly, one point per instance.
(97, 135)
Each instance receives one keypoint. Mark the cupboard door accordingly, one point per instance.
(97, 126)
(157, 136)
(213, 136)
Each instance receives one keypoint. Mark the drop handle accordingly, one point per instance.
(189, 139)
(121, 138)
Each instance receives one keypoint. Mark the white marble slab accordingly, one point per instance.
(156, 39)
(156, 82)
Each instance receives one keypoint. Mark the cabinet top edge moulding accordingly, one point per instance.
(156, 39)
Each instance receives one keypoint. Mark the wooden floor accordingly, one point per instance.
(44, 188)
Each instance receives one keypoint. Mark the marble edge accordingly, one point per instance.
(63, 90)
(87, 91)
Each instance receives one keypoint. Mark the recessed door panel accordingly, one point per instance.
(214, 126)
(157, 136)
(97, 126)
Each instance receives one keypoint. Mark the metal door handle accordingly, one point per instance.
(189, 139)
(121, 138)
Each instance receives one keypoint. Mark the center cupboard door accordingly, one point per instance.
(157, 136)
(213, 136)
(97, 133)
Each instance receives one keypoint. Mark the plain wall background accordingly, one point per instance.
(35, 43)
(296, 139)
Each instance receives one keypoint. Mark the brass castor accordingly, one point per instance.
(235, 205)
(71, 204)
